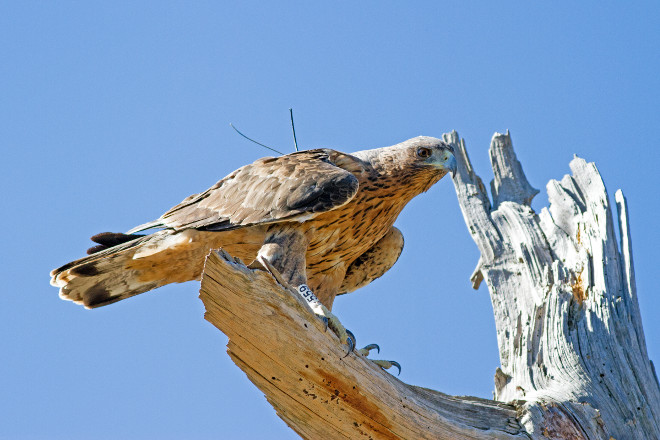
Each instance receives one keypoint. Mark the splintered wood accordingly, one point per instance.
(563, 292)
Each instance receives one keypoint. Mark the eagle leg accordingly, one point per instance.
(283, 254)
(344, 335)
(385, 365)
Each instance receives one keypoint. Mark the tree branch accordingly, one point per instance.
(282, 347)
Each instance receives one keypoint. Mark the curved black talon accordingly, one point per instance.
(351, 336)
(396, 364)
(371, 347)
(351, 342)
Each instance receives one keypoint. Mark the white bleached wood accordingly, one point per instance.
(573, 356)
(571, 343)
(510, 183)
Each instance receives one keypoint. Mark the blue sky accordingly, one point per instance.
(113, 112)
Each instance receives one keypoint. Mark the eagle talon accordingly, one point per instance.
(351, 336)
(364, 351)
(351, 342)
(386, 365)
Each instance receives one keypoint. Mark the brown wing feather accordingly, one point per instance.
(269, 190)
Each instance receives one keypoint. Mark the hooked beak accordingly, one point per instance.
(450, 164)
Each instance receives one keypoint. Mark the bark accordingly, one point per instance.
(572, 350)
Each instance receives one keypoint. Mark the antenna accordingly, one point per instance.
(258, 143)
(293, 128)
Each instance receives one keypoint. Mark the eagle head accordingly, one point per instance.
(424, 151)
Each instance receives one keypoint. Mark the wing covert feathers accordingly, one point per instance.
(269, 190)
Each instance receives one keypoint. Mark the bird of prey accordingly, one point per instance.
(321, 220)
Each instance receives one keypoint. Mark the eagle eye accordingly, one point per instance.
(423, 152)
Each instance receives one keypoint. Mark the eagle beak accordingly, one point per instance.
(450, 165)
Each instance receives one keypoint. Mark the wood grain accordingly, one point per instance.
(283, 348)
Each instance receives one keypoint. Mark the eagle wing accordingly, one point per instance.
(272, 189)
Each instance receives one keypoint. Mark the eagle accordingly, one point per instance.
(320, 220)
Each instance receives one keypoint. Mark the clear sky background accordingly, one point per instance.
(112, 112)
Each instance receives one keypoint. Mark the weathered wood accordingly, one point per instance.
(572, 350)
(568, 324)
(282, 347)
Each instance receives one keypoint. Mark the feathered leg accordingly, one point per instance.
(283, 254)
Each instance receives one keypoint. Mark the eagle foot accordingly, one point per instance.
(345, 335)
(330, 320)
(364, 351)
(385, 365)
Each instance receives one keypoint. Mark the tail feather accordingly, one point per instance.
(107, 240)
(103, 278)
